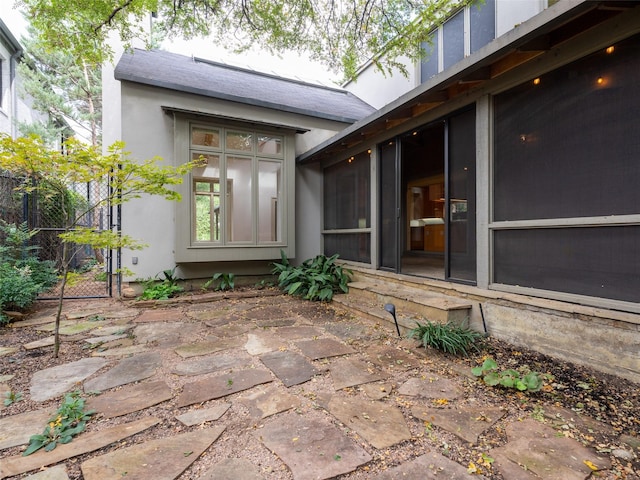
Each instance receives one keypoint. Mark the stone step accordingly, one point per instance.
(410, 301)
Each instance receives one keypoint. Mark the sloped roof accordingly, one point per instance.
(202, 77)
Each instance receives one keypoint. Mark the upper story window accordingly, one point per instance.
(237, 194)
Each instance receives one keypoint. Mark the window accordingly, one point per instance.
(237, 193)
(565, 174)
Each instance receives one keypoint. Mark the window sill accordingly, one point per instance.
(225, 253)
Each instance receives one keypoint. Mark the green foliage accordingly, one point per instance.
(16, 246)
(315, 279)
(524, 380)
(159, 291)
(69, 421)
(11, 397)
(342, 35)
(448, 337)
(221, 281)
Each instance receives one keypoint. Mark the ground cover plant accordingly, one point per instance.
(522, 379)
(449, 337)
(220, 281)
(161, 290)
(315, 279)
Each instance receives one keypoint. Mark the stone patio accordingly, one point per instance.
(323, 395)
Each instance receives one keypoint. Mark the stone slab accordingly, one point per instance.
(197, 417)
(291, 368)
(262, 342)
(323, 348)
(312, 449)
(4, 351)
(78, 314)
(432, 387)
(275, 322)
(80, 327)
(130, 399)
(208, 347)
(465, 422)
(111, 330)
(266, 313)
(379, 424)
(32, 322)
(52, 382)
(348, 331)
(430, 466)
(221, 386)
(43, 342)
(161, 315)
(84, 443)
(232, 330)
(348, 372)
(120, 351)
(128, 370)
(213, 363)
(226, 320)
(6, 378)
(168, 334)
(232, 468)
(268, 401)
(298, 333)
(534, 450)
(123, 313)
(208, 314)
(103, 339)
(394, 359)
(17, 429)
(163, 458)
(377, 391)
(59, 472)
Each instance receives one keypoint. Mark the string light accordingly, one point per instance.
(536, 81)
(610, 49)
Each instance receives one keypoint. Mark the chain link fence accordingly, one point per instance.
(50, 213)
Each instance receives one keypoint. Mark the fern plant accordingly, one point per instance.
(315, 279)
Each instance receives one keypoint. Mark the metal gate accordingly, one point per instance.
(92, 270)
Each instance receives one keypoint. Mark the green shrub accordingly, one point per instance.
(160, 291)
(18, 290)
(315, 279)
(448, 337)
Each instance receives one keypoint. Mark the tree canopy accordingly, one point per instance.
(340, 34)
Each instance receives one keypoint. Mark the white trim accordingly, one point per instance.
(611, 220)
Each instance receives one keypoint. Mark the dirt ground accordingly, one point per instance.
(613, 402)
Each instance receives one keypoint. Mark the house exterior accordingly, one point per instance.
(506, 176)
(10, 53)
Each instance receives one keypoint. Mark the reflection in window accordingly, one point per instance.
(206, 187)
(205, 137)
(239, 200)
(240, 141)
(269, 204)
(269, 145)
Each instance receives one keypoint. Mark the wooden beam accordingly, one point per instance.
(420, 108)
(511, 61)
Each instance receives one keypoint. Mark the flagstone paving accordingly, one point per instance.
(319, 391)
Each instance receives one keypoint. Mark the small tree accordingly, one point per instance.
(49, 173)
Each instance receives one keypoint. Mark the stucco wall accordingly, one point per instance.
(148, 131)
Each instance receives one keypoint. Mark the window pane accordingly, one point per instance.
(269, 145)
(350, 246)
(594, 261)
(239, 141)
(205, 136)
(211, 168)
(453, 40)
(429, 64)
(239, 212)
(483, 23)
(347, 194)
(203, 218)
(269, 201)
(565, 145)
(203, 186)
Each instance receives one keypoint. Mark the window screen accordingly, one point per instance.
(566, 145)
(347, 194)
(453, 40)
(593, 261)
(482, 17)
(429, 65)
(350, 246)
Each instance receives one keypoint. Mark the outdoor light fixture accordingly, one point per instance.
(391, 308)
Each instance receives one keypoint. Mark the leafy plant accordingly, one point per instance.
(170, 276)
(160, 291)
(225, 281)
(525, 380)
(315, 279)
(16, 246)
(12, 397)
(69, 420)
(448, 337)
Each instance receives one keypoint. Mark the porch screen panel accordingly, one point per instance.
(594, 261)
(566, 143)
(462, 196)
(350, 246)
(388, 207)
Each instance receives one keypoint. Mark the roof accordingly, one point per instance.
(216, 80)
(528, 42)
(7, 37)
